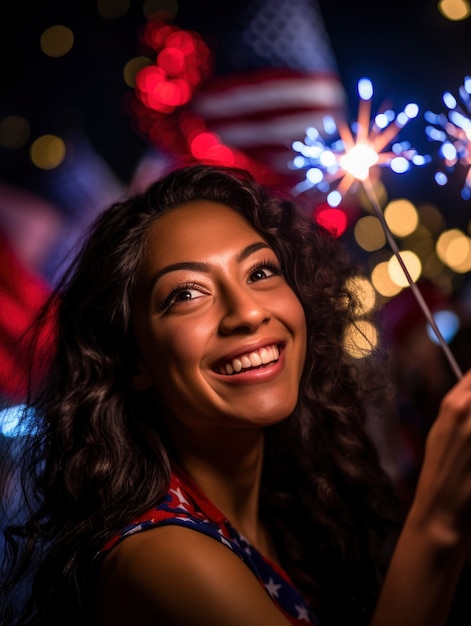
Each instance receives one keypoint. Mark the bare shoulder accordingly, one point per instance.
(176, 576)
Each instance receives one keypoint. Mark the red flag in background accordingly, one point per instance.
(22, 293)
(276, 75)
(37, 239)
(266, 73)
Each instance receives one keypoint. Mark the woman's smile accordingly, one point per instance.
(221, 335)
(254, 359)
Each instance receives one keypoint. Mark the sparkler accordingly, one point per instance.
(337, 167)
(453, 131)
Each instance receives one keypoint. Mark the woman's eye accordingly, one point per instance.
(262, 272)
(186, 294)
(182, 294)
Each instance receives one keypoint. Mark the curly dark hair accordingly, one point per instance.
(94, 459)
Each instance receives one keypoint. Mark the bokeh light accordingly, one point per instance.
(112, 9)
(369, 233)
(382, 281)
(360, 339)
(454, 10)
(14, 132)
(47, 152)
(448, 323)
(401, 217)
(160, 9)
(56, 41)
(365, 296)
(412, 263)
(182, 63)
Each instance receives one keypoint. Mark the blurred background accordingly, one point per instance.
(98, 98)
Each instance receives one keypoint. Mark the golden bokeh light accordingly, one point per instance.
(161, 9)
(56, 41)
(360, 339)
(369, 233)
(14, 132)
(382, 282)
(112, 9)
(420, 241)
(431, 218)
(454, 10)
(413, 266)
(365, 296)
(132, 67)
(432, 266)
(462, 263)
(47, 152)
(452, 247)
(401, 217)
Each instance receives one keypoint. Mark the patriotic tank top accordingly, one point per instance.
(186, 505)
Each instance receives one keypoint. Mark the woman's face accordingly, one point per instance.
(221, 336)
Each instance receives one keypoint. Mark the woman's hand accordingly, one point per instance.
(442, 503)
(431, 550)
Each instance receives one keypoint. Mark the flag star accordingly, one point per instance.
(185, 519)
(302, 613)
(226, 543)
(180, 496)
(134, 529)
(224, 540)
(272, 588)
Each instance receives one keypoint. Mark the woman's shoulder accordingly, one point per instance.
(154, 572)
(173, 575)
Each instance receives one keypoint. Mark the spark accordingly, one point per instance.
(334, 167)
(453, 131)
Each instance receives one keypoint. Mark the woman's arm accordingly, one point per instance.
(432, 548)
(174, 576)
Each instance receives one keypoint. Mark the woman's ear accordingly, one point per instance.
(140, 379)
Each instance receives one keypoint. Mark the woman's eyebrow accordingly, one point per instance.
(254, 247)
(199, 266)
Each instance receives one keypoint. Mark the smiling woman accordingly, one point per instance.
(216, 303)
(199, 452)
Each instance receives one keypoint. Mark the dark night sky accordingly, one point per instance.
(406, 47)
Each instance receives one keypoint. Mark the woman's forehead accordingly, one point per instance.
(190, 224)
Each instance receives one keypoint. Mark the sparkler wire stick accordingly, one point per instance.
(420, 299)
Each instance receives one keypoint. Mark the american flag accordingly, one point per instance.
(273, 75)
(276, 74)
(261, 113)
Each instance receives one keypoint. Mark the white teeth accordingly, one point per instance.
(264, 355)
(245, 360)
(253, 359)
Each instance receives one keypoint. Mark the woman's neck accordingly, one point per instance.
(228, 469)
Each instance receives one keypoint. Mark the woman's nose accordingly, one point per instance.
(242, 311)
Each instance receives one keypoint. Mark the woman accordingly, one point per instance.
(200, 455)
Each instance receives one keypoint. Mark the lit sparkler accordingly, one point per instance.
(453, 131)
(337, 167)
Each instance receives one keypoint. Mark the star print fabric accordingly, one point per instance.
(186, 505)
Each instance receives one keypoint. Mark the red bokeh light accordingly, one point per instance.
(183, 41)
(172, 61)
(332, 219)
(182, 62)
